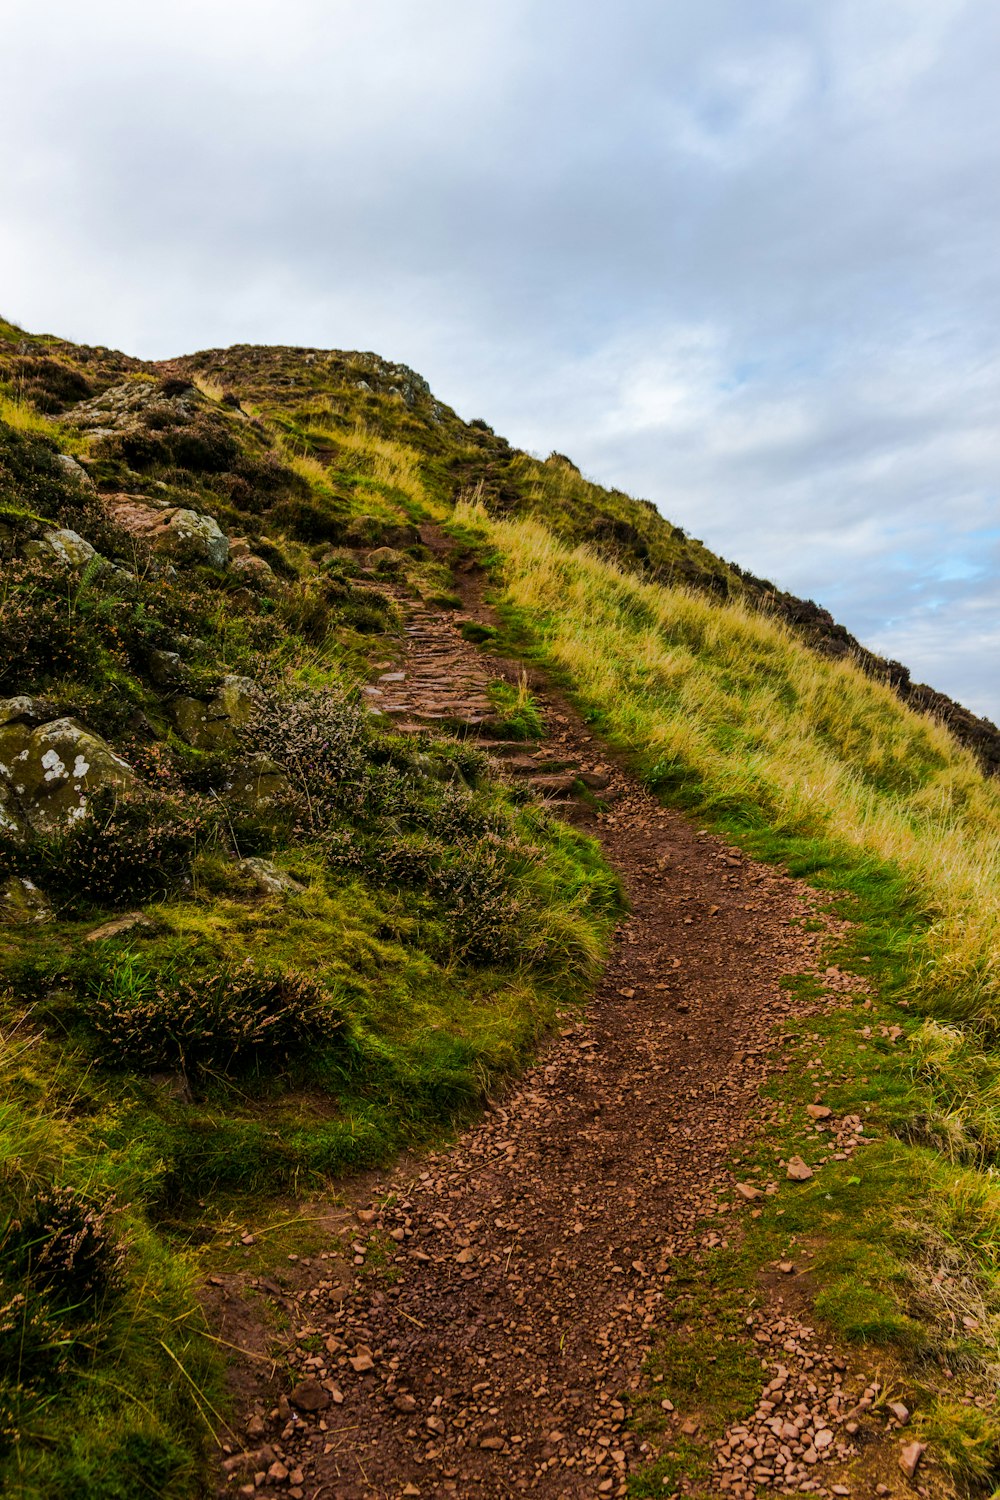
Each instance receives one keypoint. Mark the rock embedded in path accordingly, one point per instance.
(909, 1457)
(309, 1395)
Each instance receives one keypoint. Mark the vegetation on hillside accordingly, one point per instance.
(413, 924)
(201, 566)
(809, 763)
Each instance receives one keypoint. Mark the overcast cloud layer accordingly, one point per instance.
(738, 258)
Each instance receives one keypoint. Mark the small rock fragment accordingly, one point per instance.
(309, 1395)
(797, 1170)
(910, 1456)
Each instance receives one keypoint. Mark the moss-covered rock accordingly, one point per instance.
(213, 725)
(66, 548)
(256, 784)
(22, 902)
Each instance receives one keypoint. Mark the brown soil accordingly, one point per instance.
(490, 1335)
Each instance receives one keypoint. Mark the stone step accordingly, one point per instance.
(554, 787)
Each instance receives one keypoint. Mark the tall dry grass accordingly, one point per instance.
(726, 702)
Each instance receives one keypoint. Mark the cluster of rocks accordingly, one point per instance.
(182, 535)
(812, 1416)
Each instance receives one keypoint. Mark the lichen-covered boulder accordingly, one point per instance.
(50, 770)
(213, 725)
(65, 547)
(190, 536)
(75, 472)
(268, 878)
(182, 534)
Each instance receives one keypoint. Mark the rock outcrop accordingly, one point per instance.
(213, 725)
(181, 534)
(50, 768)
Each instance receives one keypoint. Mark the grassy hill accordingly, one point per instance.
(202, 564)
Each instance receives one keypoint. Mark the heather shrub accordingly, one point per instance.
(44, 639)
(486, 919)
(65, 1245)
(320, 739)
(37, 1348)
(227, 1022)
(131, 847)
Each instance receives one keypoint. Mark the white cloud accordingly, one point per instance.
(739, 259)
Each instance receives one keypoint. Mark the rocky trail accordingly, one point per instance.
(480, 1323)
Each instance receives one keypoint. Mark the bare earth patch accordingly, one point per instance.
(480, 1321)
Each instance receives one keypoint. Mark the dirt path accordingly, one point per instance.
(496, 1351)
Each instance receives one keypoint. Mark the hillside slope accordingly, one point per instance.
(295, 872)
(317, 393)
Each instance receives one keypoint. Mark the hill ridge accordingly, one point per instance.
(630, 531)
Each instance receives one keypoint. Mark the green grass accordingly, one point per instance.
(516, 714)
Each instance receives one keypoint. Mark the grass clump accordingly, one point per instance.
(241, 1019)
(516, 713)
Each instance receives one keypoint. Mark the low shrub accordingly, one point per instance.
(477, 633)
(225, 1022)
(66, 1246)
(307, 521)
(36, 1350)
(131, 847)
(320, 739)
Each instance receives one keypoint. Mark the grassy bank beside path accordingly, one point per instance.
(811, 765)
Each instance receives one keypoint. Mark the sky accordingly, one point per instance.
(739, 259)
